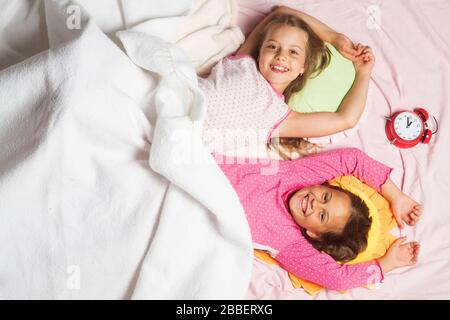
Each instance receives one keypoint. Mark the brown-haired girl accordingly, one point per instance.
(306, 224)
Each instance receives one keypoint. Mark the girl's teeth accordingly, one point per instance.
(304, 203)
(280, 68)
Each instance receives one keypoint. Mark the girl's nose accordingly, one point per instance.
(280, 57)
(317, 204)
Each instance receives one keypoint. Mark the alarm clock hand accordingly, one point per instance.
(407, 122)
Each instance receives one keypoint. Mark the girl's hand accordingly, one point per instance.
(345, 46)
(406, 209)
(364, 61)
(400, 255)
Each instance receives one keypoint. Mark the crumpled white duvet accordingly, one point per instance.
(96, 201)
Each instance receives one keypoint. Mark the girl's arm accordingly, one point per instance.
(304, 261)
(325, 166)
(301, 259)
(324, 32)
(250, 42)
(307, 263)
(318, 124)
(340, 41)
(312, 170)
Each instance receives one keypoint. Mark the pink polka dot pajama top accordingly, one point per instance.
(264, 199)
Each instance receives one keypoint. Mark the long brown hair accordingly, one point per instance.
(346, 245)
(317, 58)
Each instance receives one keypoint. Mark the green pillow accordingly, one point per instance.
(326, 91)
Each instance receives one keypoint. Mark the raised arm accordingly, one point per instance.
(307, 263)
(324, 32)
(311, 170)
(340, 41)
(325, 166)
(249, 45)
(304, 261)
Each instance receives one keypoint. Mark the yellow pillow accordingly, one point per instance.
(379, 237)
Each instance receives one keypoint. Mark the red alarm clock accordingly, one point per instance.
(405, 129)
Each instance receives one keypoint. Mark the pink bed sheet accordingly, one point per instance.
(411, 43)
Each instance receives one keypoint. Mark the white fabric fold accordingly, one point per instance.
(83, 214)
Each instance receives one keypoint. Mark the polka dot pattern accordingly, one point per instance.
(264, 198)
(240, 103)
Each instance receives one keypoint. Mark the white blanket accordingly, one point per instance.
(82, 214)
(206, 29)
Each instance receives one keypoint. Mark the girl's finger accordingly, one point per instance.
(351, 49)
(399, 221)
(399, 241)
(359, 49)
(414, 216)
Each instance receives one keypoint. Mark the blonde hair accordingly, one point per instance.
(317, 58)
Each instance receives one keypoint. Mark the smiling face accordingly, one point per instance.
(282, 55)
(319, 209)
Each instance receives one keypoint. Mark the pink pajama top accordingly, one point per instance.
(243, 109)
(264, 199)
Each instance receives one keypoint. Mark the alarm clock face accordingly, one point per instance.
(408, 126)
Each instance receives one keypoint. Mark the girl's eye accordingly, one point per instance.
(294, 52)
(271, 46)
(327, 197)
(322, 216)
